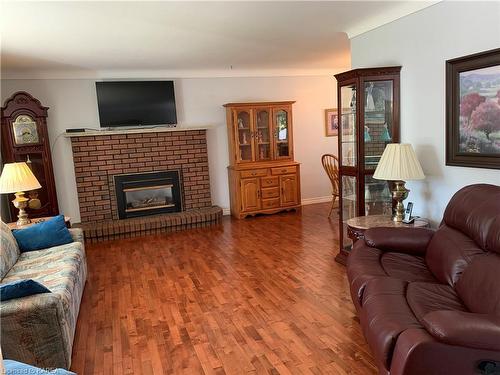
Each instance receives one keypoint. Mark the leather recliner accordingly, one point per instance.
(429, 301)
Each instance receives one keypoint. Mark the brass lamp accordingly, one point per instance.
(399, 164)
(17, 178)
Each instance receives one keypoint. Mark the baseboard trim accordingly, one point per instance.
(307, 201)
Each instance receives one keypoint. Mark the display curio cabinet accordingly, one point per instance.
(263, 176)
(368, 107)
(25, 139)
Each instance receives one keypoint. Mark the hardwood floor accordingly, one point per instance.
(254, 296)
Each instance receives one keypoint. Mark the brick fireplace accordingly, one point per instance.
(101, 157)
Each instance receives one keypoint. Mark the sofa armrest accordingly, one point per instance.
(479, 331)
(401, 240)
(77, 234)
(33, 331)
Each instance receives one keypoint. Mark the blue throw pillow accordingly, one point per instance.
(16, 368)
(21, 288)
(52, 232)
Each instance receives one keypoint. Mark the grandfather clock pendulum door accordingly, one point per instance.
(25, 139)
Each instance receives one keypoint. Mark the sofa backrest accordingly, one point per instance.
(472, 211)
(469, 229)
(479, 286)
(9, 251)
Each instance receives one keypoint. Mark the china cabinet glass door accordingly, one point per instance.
(244, 135)
(263, 131)
(378, 131)
(349, 152)
(281, 133)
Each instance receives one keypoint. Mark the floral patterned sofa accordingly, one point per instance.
(39, 329)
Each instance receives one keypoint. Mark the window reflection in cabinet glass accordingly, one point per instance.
(348, 206)
(378, 126)
(378, 199)
(348, 125)
(282, 147)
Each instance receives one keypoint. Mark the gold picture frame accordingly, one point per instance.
(331, 122)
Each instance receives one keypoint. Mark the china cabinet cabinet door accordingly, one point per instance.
(250, 194)
(244, 135)
(288, 186)
(282, 118)
(263, 134)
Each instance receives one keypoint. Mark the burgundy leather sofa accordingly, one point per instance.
(429, 301)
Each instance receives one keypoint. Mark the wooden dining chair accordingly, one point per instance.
(331, 165)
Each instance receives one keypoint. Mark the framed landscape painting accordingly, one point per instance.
(331, 122)
(473, 110)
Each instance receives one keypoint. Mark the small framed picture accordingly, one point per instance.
(331, 122)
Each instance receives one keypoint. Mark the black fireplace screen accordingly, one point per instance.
(148, 193)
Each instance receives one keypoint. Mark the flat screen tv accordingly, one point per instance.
(136, 103)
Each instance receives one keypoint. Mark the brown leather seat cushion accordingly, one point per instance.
(367, 263)
(406, 267)
(385, 315)
(424, 298)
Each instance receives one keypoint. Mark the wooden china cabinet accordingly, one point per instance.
(368, 106)
(263, 176)
(25, 138)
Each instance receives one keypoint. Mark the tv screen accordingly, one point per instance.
(136, 103)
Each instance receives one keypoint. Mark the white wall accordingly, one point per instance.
(421, 43)
(199, 102)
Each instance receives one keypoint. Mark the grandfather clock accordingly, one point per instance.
(25, 138)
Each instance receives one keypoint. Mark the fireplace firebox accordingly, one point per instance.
(143, 194)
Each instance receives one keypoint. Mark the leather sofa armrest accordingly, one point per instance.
(479, 331)
(401, 240)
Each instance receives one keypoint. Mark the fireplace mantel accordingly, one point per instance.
(157, 129)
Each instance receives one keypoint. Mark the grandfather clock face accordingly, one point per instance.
(25, 131)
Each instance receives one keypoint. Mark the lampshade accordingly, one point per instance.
(17, 177)
(398, 162)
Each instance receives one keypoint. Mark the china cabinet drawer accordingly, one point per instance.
(283, 170)
(273, 192)
(254, 173)
(269, 181)
(270, 203)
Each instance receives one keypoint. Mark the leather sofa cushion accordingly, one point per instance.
(479, 286)
(449, 253)
(472, 211)
(366, 263)
(406, 267)
(385, 315)
(424, 298)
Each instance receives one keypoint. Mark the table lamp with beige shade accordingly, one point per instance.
(399, 164)
(17, 178)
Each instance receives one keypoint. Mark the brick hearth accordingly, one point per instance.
(98, 158)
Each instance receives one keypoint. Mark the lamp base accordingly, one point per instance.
(21, 202)
(399, 194)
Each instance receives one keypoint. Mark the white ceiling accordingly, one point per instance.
(113, 39)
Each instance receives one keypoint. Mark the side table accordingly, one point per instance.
(357, 225)
(37, 220)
